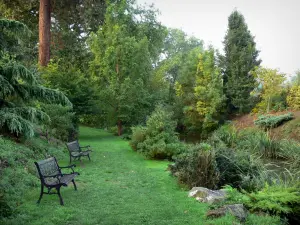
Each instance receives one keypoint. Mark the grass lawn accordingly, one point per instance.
(117, 187)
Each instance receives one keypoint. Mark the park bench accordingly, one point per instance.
(76, 151)
(52, 177)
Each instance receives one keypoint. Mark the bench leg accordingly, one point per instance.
(70, 159)
(60, 198)
(41, 194)
(75, 187)
(89, 157)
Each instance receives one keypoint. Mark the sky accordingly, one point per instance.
(274, 23)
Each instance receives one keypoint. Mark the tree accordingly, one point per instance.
(271, 81)
(124, 51)
(66, 19)
(177, 47)
(240, 58)
(203, 104)
(44, 32)
(19, 88)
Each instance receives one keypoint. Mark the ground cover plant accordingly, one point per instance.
(272, 121)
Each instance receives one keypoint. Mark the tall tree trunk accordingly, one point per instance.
(44, 32)
(119, 127)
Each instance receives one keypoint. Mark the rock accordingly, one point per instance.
(206, 195)
(237, 210)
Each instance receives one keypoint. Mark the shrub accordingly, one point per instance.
(158, 140)
(62, 124)
(197, 166)
(138, 136)
(274, 198)
(271, 121)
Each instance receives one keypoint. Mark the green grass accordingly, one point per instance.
(117, 187)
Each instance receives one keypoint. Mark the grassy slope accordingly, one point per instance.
(117, 187)
(289, 130)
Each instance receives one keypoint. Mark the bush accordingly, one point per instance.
(197, 166)
(62, 124)
(138, 136)
(274, 198)
(158, 140)
(271, 121)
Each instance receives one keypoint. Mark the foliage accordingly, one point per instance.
(204, 100)
(240, 58)
(158, 140)
(62, 122)
(197, 167)
(75, 84)
(272, 85)
(124, 49)
(293, 97)
(271, 121)
(19, 87)
(138, 136)
(275, 199)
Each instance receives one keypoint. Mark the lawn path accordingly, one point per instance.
(117, 187)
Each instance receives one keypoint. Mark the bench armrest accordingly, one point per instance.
(68, 167)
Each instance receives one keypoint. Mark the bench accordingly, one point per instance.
(51, 177)
(76, 151)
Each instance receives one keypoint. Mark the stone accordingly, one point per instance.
(206, 195)
(237, 210)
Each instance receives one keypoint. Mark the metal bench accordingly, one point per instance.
(76, 151)
(52, 178)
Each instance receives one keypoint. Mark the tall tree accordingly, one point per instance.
(241, 56)
(125, 49)
(203, 101)
(72, 21)
(44, 32)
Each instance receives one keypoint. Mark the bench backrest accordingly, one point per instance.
(73, 146)
(47, 167)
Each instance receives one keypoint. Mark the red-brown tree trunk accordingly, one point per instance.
(119, 127)
(44, 32)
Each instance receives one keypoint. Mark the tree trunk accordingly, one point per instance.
(119, 127)
(44, 32)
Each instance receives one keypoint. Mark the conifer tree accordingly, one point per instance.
(19, 87)
(241, 56)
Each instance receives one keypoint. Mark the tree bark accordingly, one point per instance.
(119, 127)
(44, 32)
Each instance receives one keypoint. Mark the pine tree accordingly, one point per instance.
(240, 58)
(19, 87)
